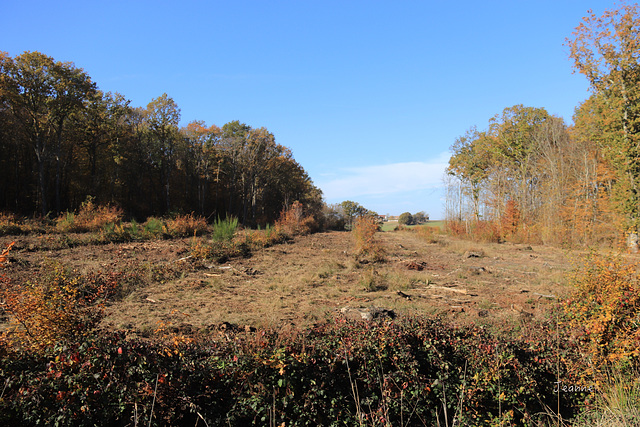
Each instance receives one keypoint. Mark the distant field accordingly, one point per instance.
(390, 225)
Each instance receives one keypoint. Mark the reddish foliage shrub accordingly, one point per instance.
(187, 225)
(293, 222)
(366, 245)
(479, 231)
(455, 228)
(409, 371)
(90, 217)
(510, 219)
(428, 233)
(59, 305)
(486, 231)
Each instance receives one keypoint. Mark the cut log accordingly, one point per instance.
(443, 288)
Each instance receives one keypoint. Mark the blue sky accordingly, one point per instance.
(369, 95)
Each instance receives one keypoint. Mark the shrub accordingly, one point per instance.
(430, 234)
(153, 226)
(258, 239)
(455, 227)
(187, 225)
(366, 245)
(293, 222)
(485, 231)
(89, 218)
(478, 231)
(411, 371)
(510, 219)
(114, 233)
(9, 224)
(604, 310)
(59, 306)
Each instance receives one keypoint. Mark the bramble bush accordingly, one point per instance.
(410, 371)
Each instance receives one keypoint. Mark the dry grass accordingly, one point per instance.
(617, 404)
(302, 281)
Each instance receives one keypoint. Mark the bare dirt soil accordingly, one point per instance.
(301, 282)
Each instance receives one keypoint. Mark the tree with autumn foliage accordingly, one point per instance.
(470, 163)
(41, 94)
(63, 140)
(606, 49)
(162, 118)
(529, 168)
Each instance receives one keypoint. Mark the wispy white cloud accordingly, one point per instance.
(385, 180)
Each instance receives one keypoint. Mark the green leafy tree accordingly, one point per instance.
(405, 219)
(351, 211)
(471, 162)
(515, 154)
(420, 217)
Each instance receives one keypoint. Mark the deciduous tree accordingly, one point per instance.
(351, 211)
(42, 94)
(162, 118)
(405, 218)
(606, 50)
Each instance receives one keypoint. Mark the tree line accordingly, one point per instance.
(62, 139)
(528, 175)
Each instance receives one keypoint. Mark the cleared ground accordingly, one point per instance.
(301, 282)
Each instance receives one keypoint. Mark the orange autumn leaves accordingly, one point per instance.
(5, 253)
(59, 305)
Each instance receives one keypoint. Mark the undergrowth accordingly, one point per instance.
(57, 367)
(412, 371)
(89, 218)
(228, 241)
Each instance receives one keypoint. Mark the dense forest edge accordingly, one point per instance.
(82, 167)
(62, 140)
